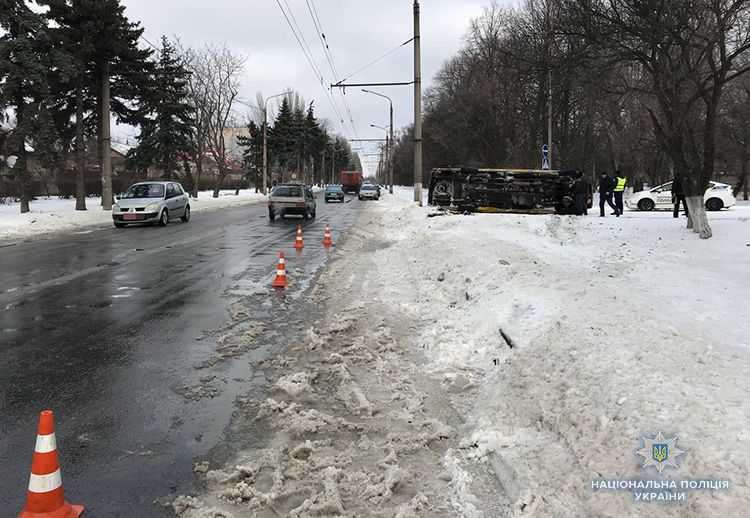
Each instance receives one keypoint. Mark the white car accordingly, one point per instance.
(151, 202)
(369, 192)
(718, 196)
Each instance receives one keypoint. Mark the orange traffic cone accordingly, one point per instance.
(280, 280)
(45, 497)
(327, 238)
(299, 244)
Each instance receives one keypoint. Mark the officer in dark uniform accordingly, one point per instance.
(678, 195)
(606, 190)
(580, 192)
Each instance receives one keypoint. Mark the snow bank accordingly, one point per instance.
(49, 215)
(492, 366)
(621, 327)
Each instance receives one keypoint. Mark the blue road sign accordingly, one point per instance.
(545, 157)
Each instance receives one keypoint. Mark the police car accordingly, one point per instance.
(718, 196)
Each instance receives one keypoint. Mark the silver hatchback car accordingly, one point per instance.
(151, 202)
(291, 198)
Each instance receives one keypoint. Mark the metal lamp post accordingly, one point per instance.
(387, 143)
(265, 140)
(390, 165)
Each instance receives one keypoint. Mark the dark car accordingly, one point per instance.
(334, 193)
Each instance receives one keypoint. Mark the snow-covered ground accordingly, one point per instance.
(623, 327)
(406, 398)
(49, 215)
(406, 193)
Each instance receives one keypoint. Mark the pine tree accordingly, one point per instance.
(281, 136)
(299, 136)
(252, 156)
(73, 34)
(26, 61)
(75, 97)
(105, 45)
(314, 142)
(166, 130)
(342, 154)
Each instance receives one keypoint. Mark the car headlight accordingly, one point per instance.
(152, 207)
(116, 208)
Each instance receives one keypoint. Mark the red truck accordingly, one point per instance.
(351, 181)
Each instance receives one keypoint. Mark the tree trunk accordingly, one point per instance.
(323, 168)
(80, 148)
(106, 147)
(190, 183)
(742, 183)
(198, 174)
(300, 167)
(697, 218)
(745, 159)
(219, 181)
(22, 172)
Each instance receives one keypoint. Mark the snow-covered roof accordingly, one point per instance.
(121, 148)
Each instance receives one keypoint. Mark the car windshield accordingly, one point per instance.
(333, 188)
(285, 191)
(369, 188)
(145, 190)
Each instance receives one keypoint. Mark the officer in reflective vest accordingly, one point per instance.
(619, 190)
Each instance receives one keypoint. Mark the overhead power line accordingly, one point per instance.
(310, 60)
(376, 61)
(322, 37)
(329, 57)
(306, 47)
(150, 44)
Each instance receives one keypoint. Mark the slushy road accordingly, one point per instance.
(106, 327)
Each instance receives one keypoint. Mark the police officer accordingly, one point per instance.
(580, 192)
(678, 195)
(606, 189)
(619, 190)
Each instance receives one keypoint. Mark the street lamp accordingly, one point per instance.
(387, 142)
(390, 170)
(265, 140)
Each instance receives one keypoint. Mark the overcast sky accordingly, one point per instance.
(357, 31)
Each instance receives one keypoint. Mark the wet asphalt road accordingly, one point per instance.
(104, 327)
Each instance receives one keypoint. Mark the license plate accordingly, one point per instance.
(130, 217)
(299, 205)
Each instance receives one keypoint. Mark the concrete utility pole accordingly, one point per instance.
(549, 116)
(549, 85)
(390, 166)
(333, 164)
(417, 109)
(106, 144)
(265, 140)
(323, 168)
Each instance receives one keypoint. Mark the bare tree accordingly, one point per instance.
(223, 70)
(735, 130)
(684, 53)
(214, 84)
(198, 96)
